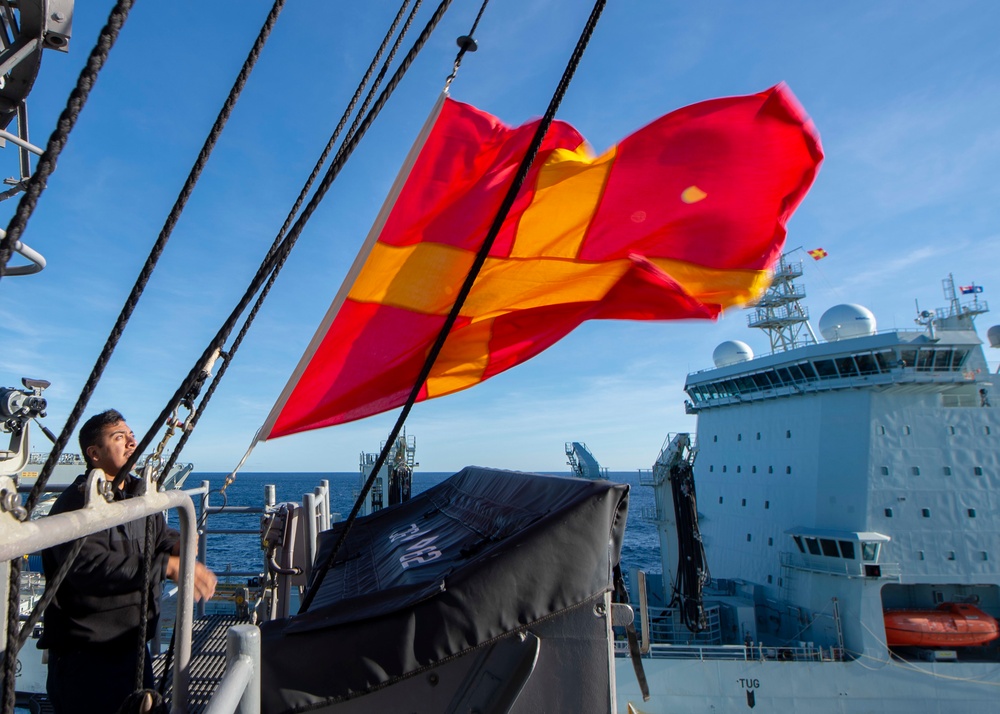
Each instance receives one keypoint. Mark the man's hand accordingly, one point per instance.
(204, 579)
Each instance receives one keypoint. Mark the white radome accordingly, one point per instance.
(843, 321)
(732, 352)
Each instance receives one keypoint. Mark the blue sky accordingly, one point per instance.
(905, 95)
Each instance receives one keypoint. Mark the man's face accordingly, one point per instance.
(115, 445)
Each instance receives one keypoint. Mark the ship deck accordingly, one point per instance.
(208, 661)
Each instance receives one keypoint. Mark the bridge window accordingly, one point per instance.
(925, 360)
(808, 370)
(829, 548)
(885, 360)
(798, 542)
(813, 545)
(947, 470)
(884, 470)
(846, 367)
(846, 549)
(978, 470)
(971, 512)
(866, 364)
(915, 470)
(925, 512)
(869, 551)
(888, 513)
(826, 369)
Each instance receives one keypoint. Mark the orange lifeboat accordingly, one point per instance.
(952, 624)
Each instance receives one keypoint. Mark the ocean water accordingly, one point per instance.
(243, 552)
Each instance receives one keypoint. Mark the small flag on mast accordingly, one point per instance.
(818, 253)
(971, 289)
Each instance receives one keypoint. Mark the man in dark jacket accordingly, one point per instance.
(92, 625)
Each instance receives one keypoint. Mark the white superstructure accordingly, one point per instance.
(836, 480)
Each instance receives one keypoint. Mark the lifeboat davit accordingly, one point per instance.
(952, 624)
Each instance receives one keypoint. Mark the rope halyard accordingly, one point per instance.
(300, 199)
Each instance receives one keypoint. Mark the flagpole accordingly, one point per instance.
(352, 274)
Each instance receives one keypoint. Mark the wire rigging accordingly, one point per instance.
(463, 293)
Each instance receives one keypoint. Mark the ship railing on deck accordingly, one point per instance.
(836, 566)
(756, 652)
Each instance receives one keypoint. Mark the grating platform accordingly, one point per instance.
(208, 660)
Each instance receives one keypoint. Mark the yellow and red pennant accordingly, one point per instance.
(680, 220)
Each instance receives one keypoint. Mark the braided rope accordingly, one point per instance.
(230, 353)
(16, 228)
(288, 243)
(470, 279)
(60, 135)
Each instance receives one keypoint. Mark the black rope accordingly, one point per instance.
(192, 179)
(288, 243)
(67, 120)
(15, 229)
(118, 329)
(466, 43)
(231, 352)
(519, 178)
(147, 571)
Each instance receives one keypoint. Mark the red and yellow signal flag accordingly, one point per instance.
(679, 220)
(817, 253)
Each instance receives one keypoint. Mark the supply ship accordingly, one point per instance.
(841, 553)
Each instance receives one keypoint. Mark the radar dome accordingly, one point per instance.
(993, 335)
(732, 352)
(843, 321)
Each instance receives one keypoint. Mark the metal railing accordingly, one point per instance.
(20, 537)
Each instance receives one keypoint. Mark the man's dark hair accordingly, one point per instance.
(91, 430)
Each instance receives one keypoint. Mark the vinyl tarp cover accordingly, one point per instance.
(480, 555)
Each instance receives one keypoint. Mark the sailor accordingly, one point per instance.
(92, 625)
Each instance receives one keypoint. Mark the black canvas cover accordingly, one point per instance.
(479, 556)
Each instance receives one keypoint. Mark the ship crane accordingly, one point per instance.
(674, 467)
(582, 462)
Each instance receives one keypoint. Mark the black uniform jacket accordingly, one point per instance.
(99, 601)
